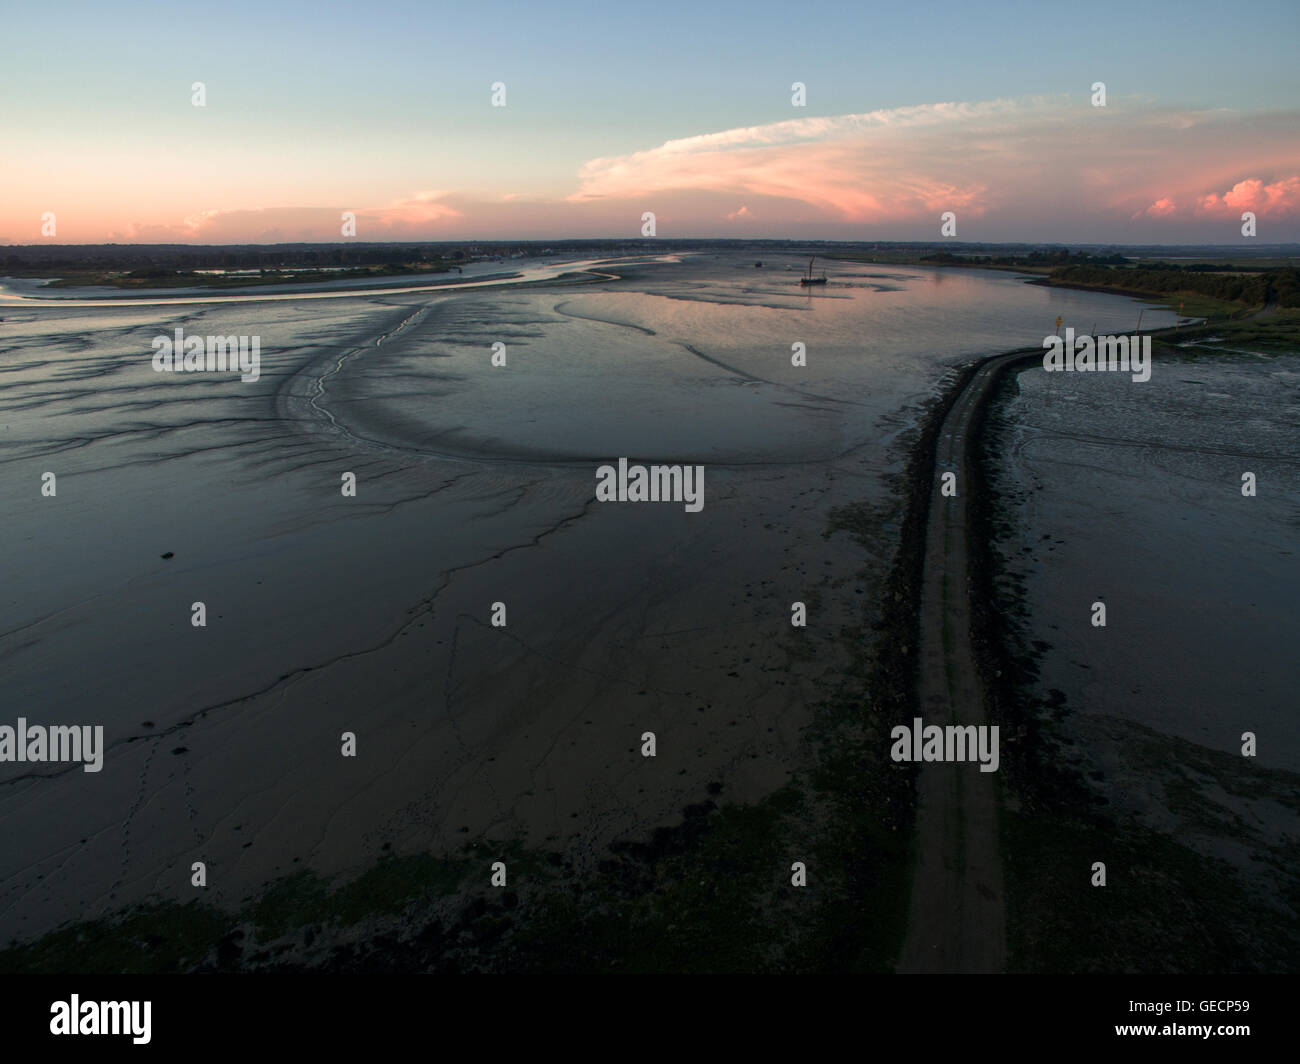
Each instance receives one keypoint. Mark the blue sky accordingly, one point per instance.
(316, 105)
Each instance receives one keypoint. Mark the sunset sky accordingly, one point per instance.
(682, 109)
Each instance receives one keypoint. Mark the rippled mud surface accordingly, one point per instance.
(475, 485)
(1130, 494)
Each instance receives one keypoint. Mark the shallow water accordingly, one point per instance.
(693, 362)
(475, 485)
(1133, 497)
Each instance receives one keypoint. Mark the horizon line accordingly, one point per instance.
(653, 240)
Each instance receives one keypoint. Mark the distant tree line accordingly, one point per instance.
(160, 260)
(1063, 257)
(1250, 287)
(52, 258)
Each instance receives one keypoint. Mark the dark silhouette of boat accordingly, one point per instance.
(808, 278)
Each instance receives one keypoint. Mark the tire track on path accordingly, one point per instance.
(957, 920)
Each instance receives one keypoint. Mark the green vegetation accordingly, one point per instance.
(1033, 260)
(1171, 901)
(712, 894)
(1219, 288)
(1030, 262)
(1247, 288)
(159, 937)
(1165, 907)
(1276, 331)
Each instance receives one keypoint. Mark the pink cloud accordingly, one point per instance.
(412, 217)
(1055, 169)
(1272, 199)
(1162, 208)
(1275, 199)
(1021, 166)
(859, 167)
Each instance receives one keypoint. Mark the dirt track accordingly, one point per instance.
(957, 921)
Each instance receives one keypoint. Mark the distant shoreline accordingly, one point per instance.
(1155, 298)
(568, 273)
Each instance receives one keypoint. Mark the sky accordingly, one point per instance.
(685, 110)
